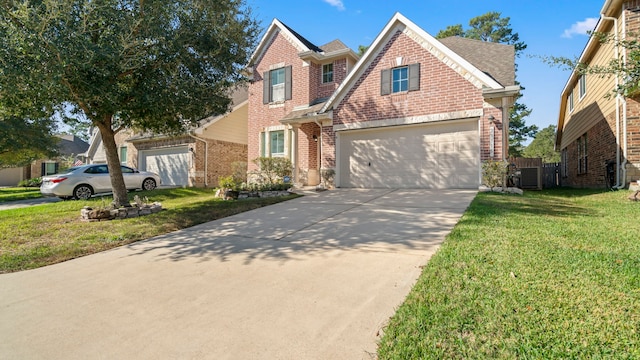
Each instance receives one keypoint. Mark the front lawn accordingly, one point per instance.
(19, 193)
(46, 234)
(549, 275)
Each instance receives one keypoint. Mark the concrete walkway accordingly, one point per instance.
(313, 278)
(26, 203)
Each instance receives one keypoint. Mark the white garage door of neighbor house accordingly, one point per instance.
(434, 156)
(10, 176)
(172, 164)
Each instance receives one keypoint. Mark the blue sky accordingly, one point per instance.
(548, 27)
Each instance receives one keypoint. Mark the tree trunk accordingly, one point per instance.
(120, 197)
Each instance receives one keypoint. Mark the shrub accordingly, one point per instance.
(493, 173)
(272, 170)
(239, 171)
(328, 176)
(35, 182)
(228, 182)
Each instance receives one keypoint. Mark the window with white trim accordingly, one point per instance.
(583, 86)
(123, 155)
(327, 73)
(570, 101)
(400, 79)
(277, 85)
(276, 141)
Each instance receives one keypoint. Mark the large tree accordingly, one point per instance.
(158, 66)
(491, 27)
(543, 146)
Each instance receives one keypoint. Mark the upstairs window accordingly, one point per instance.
(583, 86)
(400, 79)
(570, 101)
(277, 85)
(327, 73)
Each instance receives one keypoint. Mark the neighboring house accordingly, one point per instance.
(198, 158)
(70, 149)
(595, 130)
(413, 112)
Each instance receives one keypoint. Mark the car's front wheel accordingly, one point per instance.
(82, 192)
(148, 184)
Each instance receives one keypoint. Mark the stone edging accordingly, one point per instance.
(90, 214)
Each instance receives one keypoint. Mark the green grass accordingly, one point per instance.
(46, 234)
(19, 193)
(548, 275)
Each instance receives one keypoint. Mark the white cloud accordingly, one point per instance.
(580, 28)
(337, 3)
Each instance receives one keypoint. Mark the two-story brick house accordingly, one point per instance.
(596, 132)
(413, 112)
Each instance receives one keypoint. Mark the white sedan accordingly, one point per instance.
(82, 182)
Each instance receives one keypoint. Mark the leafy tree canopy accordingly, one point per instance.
(157, 66)
(543, 146)
(23, 140)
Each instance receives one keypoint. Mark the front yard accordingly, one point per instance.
(552, 274)
(46, 234)
(19, 193)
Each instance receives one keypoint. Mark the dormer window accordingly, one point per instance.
(327, 73)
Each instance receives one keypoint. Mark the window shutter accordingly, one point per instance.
(42, 169)
(55, 168)
(385, 82)
(266, 88)
(287, 83)
(414, 77)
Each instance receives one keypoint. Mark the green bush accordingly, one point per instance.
(493, 173)
(272, 170)
(228, 182)
(35, 182)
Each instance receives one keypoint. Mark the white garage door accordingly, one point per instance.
(11, 176)
(435, 156)
(172, 164)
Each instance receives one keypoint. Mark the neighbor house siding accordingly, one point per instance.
(231, 128)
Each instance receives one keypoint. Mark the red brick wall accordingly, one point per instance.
(221, 155)
(485, 133)
(262, 115)
(601, 147)
(441, 88)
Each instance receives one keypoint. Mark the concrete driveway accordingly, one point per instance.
(313, 278)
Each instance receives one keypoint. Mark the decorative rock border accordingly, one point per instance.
(498, 189)
(89, 214)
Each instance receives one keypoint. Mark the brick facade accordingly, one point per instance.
(444, 91)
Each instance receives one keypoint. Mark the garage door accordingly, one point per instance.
(435, 156)
(172, 164)
(11, 176)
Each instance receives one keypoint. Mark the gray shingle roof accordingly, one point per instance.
(306, 42)
(495, 60)
(71, 145)
(334, 45)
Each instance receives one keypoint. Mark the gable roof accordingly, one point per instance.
(400, 23)
(335, 45)
(294, 38)
(71, 145)
(239, 98)
(494, 59)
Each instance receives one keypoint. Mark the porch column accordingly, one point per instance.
(294, 151)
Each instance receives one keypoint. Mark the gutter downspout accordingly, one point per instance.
(623, 180)
(618, 98)
(206, 162)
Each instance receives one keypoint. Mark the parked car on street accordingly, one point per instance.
(82, 182)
